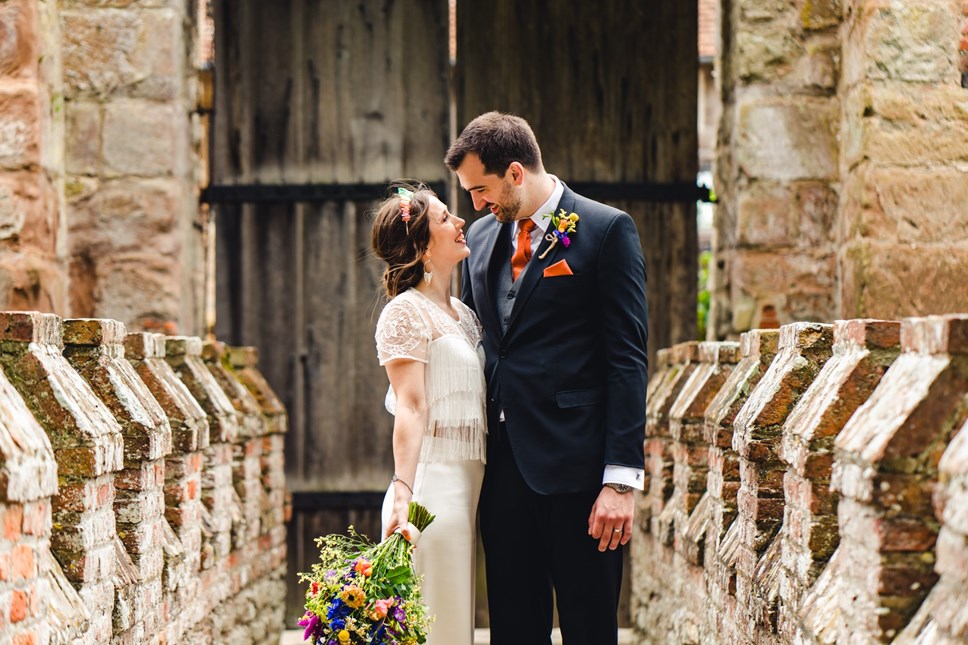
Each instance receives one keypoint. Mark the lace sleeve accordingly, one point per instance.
(401, 333)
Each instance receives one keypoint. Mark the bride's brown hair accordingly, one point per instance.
(399, 243)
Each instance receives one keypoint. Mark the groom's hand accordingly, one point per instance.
(611, 519)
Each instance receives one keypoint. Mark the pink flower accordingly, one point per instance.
(380, 608)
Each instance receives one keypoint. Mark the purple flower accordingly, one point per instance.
(310, 621)
(399, 614)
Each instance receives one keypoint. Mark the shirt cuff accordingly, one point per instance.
(634, 477)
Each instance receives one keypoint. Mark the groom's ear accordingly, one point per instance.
(516, 171)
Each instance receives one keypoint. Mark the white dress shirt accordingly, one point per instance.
(634, 477)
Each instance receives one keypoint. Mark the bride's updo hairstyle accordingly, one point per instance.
(401, 241)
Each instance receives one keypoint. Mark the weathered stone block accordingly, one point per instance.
(786, 139)
(885, 281)
(139, 287)
(100, 49)
(138, 138)
(819, 14)
(790, 280)
(908, 41)
(765, 55)
(21, 126)
(19, 49)
(123, 213)
(82, 147)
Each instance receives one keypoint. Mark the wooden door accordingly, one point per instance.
(318, 105)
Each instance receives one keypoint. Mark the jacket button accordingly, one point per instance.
(504, 353)
(511, 295)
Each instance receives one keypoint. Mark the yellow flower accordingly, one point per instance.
(353, 596)
(344, 636)
(573, 217)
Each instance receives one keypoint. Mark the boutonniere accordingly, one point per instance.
(562, 226)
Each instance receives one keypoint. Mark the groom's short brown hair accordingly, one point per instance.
(498, 139)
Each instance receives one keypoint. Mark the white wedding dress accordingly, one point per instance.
(451, 465)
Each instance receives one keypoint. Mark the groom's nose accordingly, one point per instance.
(479, 202)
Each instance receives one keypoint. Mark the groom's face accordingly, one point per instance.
(488, 191)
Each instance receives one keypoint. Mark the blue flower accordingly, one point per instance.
(337, 609)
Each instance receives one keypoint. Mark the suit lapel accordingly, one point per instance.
(536, 266)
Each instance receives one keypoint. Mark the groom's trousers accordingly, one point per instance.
(537, 553)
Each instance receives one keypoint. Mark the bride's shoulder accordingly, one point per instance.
(402, 305)
(462, 308)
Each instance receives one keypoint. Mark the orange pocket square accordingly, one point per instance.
(558, 268)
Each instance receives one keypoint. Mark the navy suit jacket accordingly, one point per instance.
(572, 370)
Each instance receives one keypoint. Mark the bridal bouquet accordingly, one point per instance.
(360, 592)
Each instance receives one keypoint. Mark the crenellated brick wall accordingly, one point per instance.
(141, 488)
(834, 503)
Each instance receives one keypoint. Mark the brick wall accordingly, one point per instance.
(141, 488)
(834, 506)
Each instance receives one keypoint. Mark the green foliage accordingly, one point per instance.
(703, 298)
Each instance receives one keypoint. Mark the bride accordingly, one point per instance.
(430, 344)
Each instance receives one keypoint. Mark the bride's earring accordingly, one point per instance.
(428, 275)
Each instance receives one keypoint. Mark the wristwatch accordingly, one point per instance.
(619, 488)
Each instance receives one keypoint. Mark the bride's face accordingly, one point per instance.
(447, 245)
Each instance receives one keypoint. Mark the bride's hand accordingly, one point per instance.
(400, 514)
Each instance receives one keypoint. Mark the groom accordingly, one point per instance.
(564, 318)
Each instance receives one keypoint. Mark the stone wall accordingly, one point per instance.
(141, 488)
(840, 163)
(777, 165)
(131, 162)
(903, 221)
(834, 500)
(33, 256)
(99, 161)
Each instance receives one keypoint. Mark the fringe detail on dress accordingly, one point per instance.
(455, 391)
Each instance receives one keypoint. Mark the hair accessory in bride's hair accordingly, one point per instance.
(406, 200)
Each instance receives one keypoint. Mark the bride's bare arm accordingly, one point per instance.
(407, 380)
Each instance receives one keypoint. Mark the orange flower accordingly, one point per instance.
(364, 567)
(353, 596)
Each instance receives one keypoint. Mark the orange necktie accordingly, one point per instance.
(523, 253)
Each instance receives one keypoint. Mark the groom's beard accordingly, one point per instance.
(507, 210)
